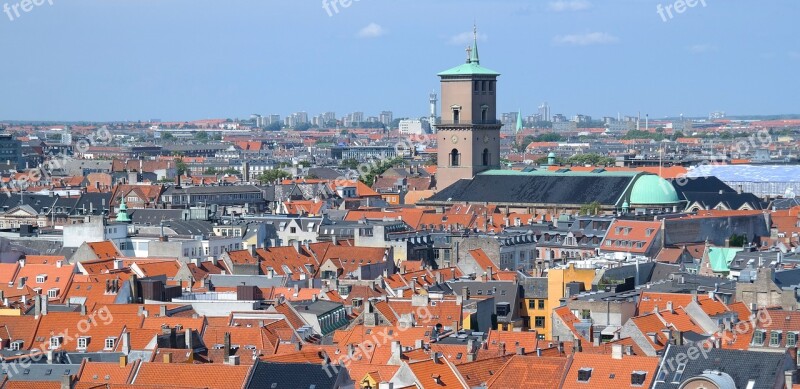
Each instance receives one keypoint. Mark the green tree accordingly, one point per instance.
(201, 136)
(273, 127)
(350, 163)
(211, 171)
(182, 168)
(590, 209)
(167, 136)
(230, 171)
(737, 240)
(272, 175)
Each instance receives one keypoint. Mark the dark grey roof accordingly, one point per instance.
(96, 202)
(318, 307)
(155, 216)
(621, 273)
(731, 200)
(39, 372)
(661, 271)
(503, 292)
(37, 202)
(765, 369)
(325, 173)
(785, 203)
(537, 189)
(787, 278)
(293, 375)
(708, 184)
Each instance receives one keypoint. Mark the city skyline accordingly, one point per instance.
(579, 56)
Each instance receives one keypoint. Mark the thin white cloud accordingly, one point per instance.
(589, 38)
(701, 48)
(372, 30)
(466, 38)
(569, 5)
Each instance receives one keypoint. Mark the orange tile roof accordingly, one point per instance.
(633, 231)
(200, 375)
(650, 300)
(435, 374)
(105, 250)
(608, 372)
(106, 372)
(481, 371)
(538, 372)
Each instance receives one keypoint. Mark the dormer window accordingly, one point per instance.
(52, 293)
(16, 345)
(83, 341)
(41, 278)
(109, 344)
(55, 342)
(584, 374)
(638, 378)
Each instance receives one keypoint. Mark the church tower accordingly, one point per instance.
(468, 135)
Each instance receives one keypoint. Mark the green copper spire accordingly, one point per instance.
(474, 58)
(519, 120)
(122, 215)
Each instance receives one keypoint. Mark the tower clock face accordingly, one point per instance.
(454, 139)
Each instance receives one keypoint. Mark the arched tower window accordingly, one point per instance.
(485, 157)
(455, 158)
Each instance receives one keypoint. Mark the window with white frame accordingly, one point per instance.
(52, 293)
(55, 342)
(83, 342)
(16, 345)
(41, 278)
(109, 343)
(791, 339)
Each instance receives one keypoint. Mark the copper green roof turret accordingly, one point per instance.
(122, 215)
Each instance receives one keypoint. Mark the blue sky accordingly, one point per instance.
(193, 59)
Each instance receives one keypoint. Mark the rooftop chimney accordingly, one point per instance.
(168, 358)
(616, 351)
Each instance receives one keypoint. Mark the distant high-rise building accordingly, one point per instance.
(274, 119)
(432, 99)
(579, 118)
(386, 117)
(544, 112)
(411, 127)
(559, 118)
(509, 121)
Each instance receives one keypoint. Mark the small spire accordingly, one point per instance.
(474, 58)
(469, 54)
(519, 120)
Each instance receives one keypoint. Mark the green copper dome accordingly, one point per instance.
(652, 189)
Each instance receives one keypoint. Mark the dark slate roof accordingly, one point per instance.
(629, 271)
(40, 372)
(787, 278)
(94, 201)
(325, 173)
(503, 292)
(764, 368)
(661, 271)
(701, 184)
(292, 375)
(537, 189)
(155, 216)
(222, 189)
(731, 200)
(785, 203)
(37, 202)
